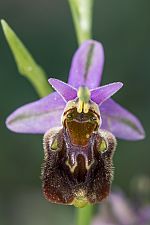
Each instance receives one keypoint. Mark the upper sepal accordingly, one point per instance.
(87, 65)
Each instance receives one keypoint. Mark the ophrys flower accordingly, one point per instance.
(81, 122)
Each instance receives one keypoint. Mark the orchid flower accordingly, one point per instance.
(118, 210)
(86, 71)
(80, 123)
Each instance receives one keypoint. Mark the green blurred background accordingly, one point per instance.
(46, 28)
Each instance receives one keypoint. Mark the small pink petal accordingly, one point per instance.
(65, 90)
(101, 94)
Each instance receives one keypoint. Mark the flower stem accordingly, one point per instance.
(82, 18)
(84, 215)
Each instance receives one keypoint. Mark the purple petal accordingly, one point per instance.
(144, 214)
(87, 65)
(37, 117)
(65, 90)
(101, 94)
(122, 210)
(120, 122)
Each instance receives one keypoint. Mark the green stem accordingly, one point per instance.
(84, 215)
(82, 17)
